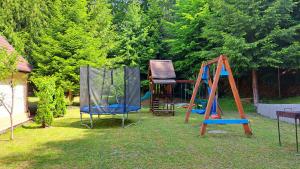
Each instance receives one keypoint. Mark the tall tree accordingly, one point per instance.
(46, 104)
(79, 33)
(186, 46)
(131, 36)
(21, 21)
(253, 34)
(140, 32)
(156, 12)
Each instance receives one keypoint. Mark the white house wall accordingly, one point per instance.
(20, 98)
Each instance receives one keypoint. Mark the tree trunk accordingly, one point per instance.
(44, 124)
(11, 127)
(254, 87)
(12, 108)
(70, 96)
(279, 84)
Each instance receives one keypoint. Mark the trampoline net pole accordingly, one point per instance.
(125, 96)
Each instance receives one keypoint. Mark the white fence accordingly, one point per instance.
(269, 110)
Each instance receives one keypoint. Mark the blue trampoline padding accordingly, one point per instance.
(226, 121)
(198, 111)
(110, 109)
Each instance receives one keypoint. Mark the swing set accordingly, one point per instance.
(223, 70)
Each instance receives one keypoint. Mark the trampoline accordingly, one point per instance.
(110, 109)
(109, 92)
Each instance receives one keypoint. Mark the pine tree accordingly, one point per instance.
(140, 32)
(253, 34)
(79, 33)
(131, 36)
(152, 23)
(46, 105)
(186, 46)
(60, 103)
(21, 22)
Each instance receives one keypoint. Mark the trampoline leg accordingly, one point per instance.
(123, 120)
(84, 123)
(91, 120)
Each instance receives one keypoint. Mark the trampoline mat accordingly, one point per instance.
(110, 109)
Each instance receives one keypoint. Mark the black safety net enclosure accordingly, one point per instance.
(109, 91)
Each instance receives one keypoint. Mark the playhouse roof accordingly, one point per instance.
(162, 71)
(23, 65)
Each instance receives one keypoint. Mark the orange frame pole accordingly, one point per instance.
(212, 95)
(198, 82)
(236, 96)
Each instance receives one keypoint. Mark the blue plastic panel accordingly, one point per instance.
(226, 121)
(198, 111)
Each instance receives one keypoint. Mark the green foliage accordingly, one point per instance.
(252, 33)
(79, 33)
(60, 103)
(8, 63)
(61, 35)
(140, 32)
(185, 42)
(131, 35)
(46, 104)
(21, 21)
(152, 46)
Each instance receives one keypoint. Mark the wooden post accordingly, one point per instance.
(236, 96)
(151, 88)
(212, 95)
(188, 112)
(254, 88)
(279, 84)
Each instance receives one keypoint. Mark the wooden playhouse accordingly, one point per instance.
(161, 76)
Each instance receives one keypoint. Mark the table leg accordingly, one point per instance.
(296, 135)
(278, 131)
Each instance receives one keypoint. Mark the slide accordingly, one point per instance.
(146, 96)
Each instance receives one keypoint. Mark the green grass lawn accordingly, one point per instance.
(155, 142)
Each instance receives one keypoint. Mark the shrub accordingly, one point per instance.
(46, 105)
(60, 103)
